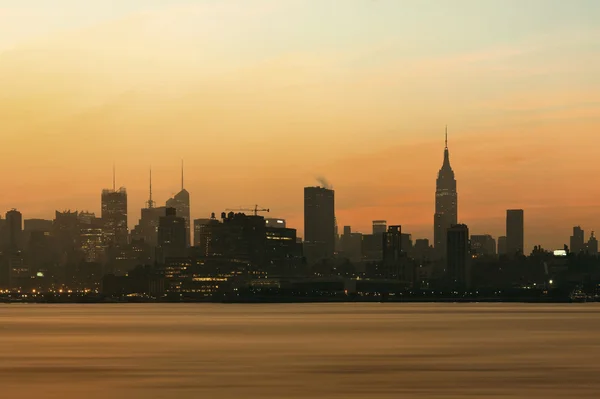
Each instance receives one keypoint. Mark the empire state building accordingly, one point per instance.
(446, 204)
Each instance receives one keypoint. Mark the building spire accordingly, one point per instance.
(114, 178)
(150, 201)
(446, 137)
(182, 175)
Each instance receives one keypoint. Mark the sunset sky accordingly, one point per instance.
(260, 97)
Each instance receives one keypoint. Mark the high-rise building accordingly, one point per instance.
(483, 245)
(319, 223)
(351, 245)
(379, 227)
(458, 257)
(446, 204)
(92, 237)
(577, 243)
(171, 236)
(392, 253)
(202, 233)
(14, 229)
(515, 232)
(422, 250)
(592, 245)
(275, 223)
(181, 203)
(114, 216)
(35, 226)
(502, 245)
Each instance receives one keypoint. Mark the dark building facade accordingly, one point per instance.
(515, 233)
(14, 230)
(446, 204)
(458, 257)
(577, 243)
(483, 245)
(319, 223)
(172, 242)
(502, 246)
(114, 216)
(592, 245)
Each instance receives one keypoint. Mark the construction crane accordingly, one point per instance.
(254, 210)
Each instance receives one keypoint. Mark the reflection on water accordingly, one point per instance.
(300, 351)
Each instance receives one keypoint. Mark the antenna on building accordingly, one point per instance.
(182, 175)
(446, 136)
(114, 178)
(150, 201)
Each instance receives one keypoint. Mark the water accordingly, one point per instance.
(300, 351)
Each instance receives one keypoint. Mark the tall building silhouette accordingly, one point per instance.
(14, 229)
(502, 245)
(592, 245)
(147, 227)
(458, 256)
(446, 204)
(319, 223)
(114, 215)
(577, 243)
(181, 203)
(515, 232)
(483, 245)
(171, 236)
(379, 227)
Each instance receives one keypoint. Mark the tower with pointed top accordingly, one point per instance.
(446, 204)
(114, 215)
(181, 203)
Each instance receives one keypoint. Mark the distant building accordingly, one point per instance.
(392, 253)
(42, 225)
(446, 204)
(407, 244)
(351, 245)
(592, 245)
(515, 232)
(14, 229)
(275, 223)
(172, 241)
(181, 203)
(114, 216)
(483, 245)
(379, 227)
(319, 223)
(577, 243)
(92, 239)
(422, 249)
(502, 250)
(35, 226)
(458, 257)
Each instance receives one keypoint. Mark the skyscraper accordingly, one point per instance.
(379, 227)
(114, 216)
(171, 236)
(592, 245)
(181, 203)
(577, 244)
(459, 271)
(14, 224)
(319, 223)
(514, 232)
(446, 204)
(502, 245)
(483, 245)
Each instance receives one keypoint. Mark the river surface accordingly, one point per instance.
(300, 351)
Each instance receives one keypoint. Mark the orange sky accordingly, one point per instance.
(261, 100)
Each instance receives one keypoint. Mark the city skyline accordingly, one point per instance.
(366, 101)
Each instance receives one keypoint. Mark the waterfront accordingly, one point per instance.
(300, 351)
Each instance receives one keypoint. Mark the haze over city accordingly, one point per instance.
(259, 106)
